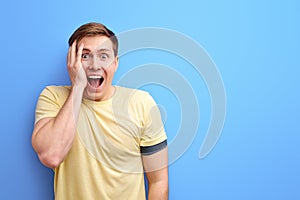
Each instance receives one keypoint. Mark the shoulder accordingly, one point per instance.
(59, 93)
(132, 94)
(58, 88)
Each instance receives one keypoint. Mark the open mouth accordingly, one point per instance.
(95, 80)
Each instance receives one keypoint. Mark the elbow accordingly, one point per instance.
(164, 191)
(158, 191)
(50, 160)
(47, 157)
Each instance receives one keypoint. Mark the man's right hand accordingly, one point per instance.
(75, 68)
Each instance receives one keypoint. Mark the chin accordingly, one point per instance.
(95, 96)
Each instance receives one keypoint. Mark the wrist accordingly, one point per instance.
(78, 90)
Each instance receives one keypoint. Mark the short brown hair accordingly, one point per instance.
(93, 29)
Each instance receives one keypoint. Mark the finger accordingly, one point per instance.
(70, 61)
(69, 57)
(79, 53)
(73, 53)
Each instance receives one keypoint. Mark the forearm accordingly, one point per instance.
(53, 138)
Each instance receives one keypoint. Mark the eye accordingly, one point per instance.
(103, 56)
(85, 56)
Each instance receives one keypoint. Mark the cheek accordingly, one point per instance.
(84, 64)
(112, 69)
(110, 73)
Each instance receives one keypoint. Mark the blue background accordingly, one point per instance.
(255, 45)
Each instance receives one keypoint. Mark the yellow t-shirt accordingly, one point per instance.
(104, 162)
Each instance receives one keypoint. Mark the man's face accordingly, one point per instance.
(100, 64)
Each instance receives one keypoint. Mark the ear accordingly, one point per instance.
(116, 63)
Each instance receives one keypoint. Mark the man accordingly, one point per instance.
(99, 138)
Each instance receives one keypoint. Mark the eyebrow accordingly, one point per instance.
(99, 50)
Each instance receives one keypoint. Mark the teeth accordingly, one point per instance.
(95, 77)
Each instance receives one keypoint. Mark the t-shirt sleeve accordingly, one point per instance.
(154, 137)
(47, 105)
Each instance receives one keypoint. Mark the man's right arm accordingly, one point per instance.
(52, 138)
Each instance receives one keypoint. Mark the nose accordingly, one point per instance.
(94, 64)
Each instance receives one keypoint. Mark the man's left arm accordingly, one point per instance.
(156, 169)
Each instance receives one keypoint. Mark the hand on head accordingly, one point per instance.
(75, 68)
